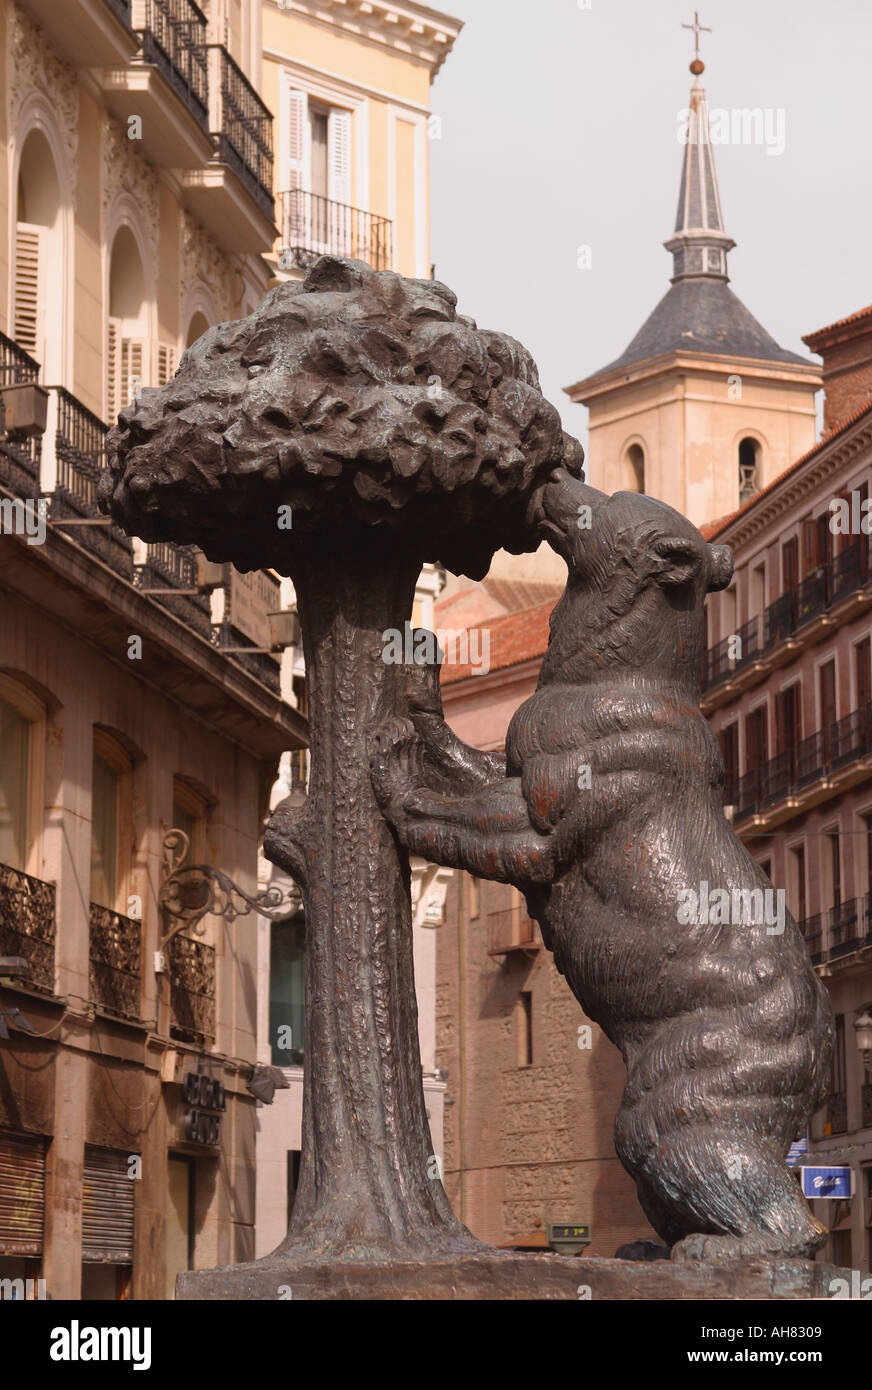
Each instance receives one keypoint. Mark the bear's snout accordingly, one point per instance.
(721, 567)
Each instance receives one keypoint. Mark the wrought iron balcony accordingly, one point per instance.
(174, 40)
(719, 664)
(820, 755)
(27, 923)
(850, 738)
(192, 989)
(264, 667)
(811, 598)
(813, 935)
(811, 759)
(242, 128)
(779, 619)
(314, 226)
(837, 1113)
(845, 929)
(175, 567)
(848, 571)
(79, 443)
(115, 962)
(19, 457)
(508, 932)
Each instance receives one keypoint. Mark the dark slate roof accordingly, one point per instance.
(703, 315)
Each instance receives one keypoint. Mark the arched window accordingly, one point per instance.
(749, 471)
(22, 773)
(14, 757)
(196, 328)
(111, 829)
(127, 349)
(39, 262)
(634, 469)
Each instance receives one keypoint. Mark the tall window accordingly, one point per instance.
(789, 565)
(835, 868)
(863, 668)
(14, 750)
(797, 856)
(788, 719)
(317, 174)
(287, 991)
(38, 271)
(525, 1028)
(110, 828)
(749, 480)
(827, 700)
(634, 469)
(756, 740)
(729, 741)
(189, 816)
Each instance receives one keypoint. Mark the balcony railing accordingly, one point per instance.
(845, 929)
(115, 962)
(813, 934)
(244, 134)
(315, 226)
(844, 574)
(174, 40)
(811, 599)
(818, 756)
(19, 457)
(779, 619)
(837, 1112)
(80, 450)
(192, 989)
(175, 567)
(508, 932)
(27, 923)
(261, 665)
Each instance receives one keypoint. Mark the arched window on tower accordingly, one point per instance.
(38, 271)
(749, 469)
(634, 469)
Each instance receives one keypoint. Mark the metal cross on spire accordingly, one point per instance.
(697, 30)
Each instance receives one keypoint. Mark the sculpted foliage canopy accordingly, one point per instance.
(359, 399)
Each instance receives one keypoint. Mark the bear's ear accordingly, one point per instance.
(678, 559)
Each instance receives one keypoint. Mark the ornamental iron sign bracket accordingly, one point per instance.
(189, 894)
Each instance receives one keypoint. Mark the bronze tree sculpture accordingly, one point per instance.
(396, 433)
(607, 812)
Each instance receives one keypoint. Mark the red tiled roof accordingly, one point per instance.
(514, 639)
(810, 338)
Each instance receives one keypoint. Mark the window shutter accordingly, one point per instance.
(29, 310)
(124, 369)
(297, 118)
(339, 180)
(165, 364)
(113, 369)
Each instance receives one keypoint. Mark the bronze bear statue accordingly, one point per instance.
(607, 813)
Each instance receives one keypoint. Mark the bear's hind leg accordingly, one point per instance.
(715, 1195)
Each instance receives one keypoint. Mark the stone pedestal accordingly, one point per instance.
(509, 1275)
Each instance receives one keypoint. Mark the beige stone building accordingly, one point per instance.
(138, 691)
(161, 164)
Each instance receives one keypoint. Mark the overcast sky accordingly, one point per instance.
(559, 129)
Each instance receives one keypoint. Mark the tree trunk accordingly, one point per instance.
(368, 1186)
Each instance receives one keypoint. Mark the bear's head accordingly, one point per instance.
(638, 575)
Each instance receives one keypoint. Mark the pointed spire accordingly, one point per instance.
(699, 244)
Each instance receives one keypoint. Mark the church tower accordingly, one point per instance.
(703, 409)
